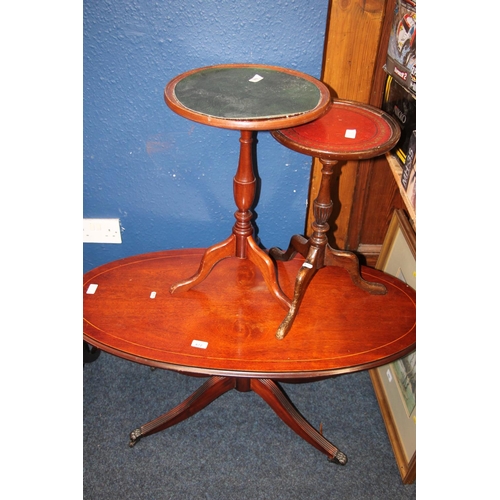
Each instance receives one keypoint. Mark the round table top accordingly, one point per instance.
(247, 96)
(226, 324)
(349, 130)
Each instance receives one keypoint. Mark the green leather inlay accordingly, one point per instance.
(229, 93)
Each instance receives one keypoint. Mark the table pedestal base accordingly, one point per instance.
(228, 248)
(241, 243)
(318, 253)
(318, 256)
(267, 389)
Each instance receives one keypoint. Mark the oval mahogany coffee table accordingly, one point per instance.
(223, 329)
(348, 131)
(248, 98)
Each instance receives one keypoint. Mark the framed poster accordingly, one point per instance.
(395, 383)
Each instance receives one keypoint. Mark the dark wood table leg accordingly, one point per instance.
(213, 388)
(267, 389)
(276, 398)
(211, 257)
(302, 280)
(241, 243)
(90, 353)
(318, 253)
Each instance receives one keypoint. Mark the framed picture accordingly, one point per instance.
(395, 383)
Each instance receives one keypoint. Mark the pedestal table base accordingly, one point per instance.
(267, 389)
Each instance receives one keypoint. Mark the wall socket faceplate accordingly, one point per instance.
(101, 231)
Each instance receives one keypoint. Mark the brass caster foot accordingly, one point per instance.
(134, 437)
(340, 458)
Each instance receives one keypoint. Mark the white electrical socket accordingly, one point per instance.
(101, 231)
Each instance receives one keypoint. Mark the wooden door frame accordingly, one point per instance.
(356, 40)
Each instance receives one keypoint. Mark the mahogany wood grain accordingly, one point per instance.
(235, 316)
(339, 329)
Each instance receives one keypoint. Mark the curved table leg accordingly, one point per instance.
(297, 244)
(241, 243)
(212, 256)
(318, 257)
(275, 397)
(267, 389)
(266, 266)
(349, 262)
(318, 253)
(90, 353)
(226, 249)
(302, 280)
(213, 388)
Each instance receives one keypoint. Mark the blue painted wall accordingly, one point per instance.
(167, 179)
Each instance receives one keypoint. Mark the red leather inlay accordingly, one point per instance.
(328, 133)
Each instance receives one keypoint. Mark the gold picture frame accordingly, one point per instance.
(395, 383)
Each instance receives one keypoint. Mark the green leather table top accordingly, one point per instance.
(249, 93)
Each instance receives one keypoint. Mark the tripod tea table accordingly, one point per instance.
(248, 98)
(348, 131)
(223, 329)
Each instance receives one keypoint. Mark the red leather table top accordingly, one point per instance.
(349, 130)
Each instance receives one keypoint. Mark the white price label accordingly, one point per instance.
(199, 343)
(256, 78)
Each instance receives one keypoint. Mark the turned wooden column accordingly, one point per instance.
(244, 183)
